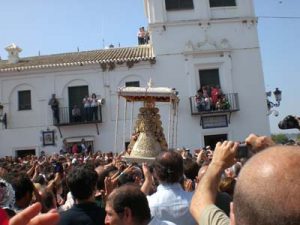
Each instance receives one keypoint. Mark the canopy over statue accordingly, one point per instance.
(148, 138)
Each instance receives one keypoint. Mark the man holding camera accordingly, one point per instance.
(267, 190)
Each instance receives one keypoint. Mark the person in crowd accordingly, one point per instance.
(128, 205)
(31, 216)
(83, 146)
(184, 152)
(170, 202)
(223, 199)
(94, 107)
(76, 114)
(82, 183)
(48, 201)
(87, 107)
(23, 188)
(53, 102)
(65, 148)
(227, 185)
(7, 198)
(75, 148)
(255, 200)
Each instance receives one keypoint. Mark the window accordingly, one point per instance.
(179, 4)
(209, 77)
(222, 3)
(24, 100)
(132, 84)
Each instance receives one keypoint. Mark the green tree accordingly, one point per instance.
(280, 138)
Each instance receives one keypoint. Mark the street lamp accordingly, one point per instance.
(270, 104)
(3, 117)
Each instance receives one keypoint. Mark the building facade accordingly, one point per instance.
(194, 45)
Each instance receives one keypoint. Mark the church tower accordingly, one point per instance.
(211, 43)
(175, 23)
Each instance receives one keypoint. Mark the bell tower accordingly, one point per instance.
(173, 23)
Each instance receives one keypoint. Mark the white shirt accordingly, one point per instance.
(156, 221)
(94, 102)
(86, 102)
(171, 203)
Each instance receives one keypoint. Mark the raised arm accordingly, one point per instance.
(206, 191)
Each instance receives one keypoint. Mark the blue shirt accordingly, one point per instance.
(171, 203)
(155, 221)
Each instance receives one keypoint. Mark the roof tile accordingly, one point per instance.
(114, 55)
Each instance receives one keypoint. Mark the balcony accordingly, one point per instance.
(68, 116)
(82, 116)
(227, 105)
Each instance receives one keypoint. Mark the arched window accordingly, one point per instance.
(24, 100)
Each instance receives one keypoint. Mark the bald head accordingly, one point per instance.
(268, 188)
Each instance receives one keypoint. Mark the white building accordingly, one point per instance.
(192, 44)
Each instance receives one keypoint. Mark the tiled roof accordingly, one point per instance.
(107, 58)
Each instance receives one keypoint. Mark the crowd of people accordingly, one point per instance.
(178, 187)
(211, 98)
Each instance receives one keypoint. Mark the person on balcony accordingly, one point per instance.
(87, 107)
(222, 103)
(94, 107)
(76, 114)
(53, 102)
(200, 101)
(215, 95)
(207, 99)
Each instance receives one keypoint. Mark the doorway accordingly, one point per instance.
(76, 95)
(212, 140)
(23, 153)
(209, 78)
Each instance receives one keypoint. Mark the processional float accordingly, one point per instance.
(147, 138)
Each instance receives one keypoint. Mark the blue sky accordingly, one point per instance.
(56, 26)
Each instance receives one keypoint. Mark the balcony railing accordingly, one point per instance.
(82, 116)
(229, 103)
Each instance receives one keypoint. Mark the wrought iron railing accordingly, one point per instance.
(229, 103)
(69, 116)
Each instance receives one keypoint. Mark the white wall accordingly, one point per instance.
(184, 42)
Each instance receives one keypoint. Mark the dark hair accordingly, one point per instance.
(168, 166)
(48, 199)
(102, 175)
(130, 196)
(82, 181)
(21, 184)
(40, 179)
(190, 168)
